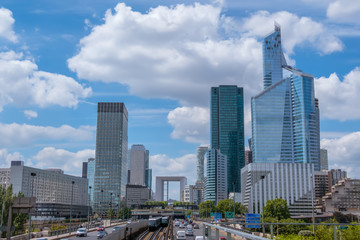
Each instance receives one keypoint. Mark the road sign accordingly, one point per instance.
(229, 214)
(252, 219)
(188, 216)
(217, 216)
(343, 227)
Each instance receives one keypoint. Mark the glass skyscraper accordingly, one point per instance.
(285, 116)
(227, 129)
(110, 156)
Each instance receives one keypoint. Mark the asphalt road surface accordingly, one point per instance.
(93, 235)
(197, 232)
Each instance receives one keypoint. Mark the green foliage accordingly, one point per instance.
(306, 233)
(277, 208)
(111, 213)
(323, 232)
(352, 233)
(285, 229)
(205, 208)
(226, 205)
(18, 220)
(294, 237)
(55, 227)
(156, 203)
(124, 213)
(188, 213)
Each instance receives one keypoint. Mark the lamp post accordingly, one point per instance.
(312, 202)
(89, 207)
(32, 193)
(71, 200)
(263, 199)
(111, 210)
(101, 203)
(234, 197)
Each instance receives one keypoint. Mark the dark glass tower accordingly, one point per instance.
(110, 156)
(227, 129)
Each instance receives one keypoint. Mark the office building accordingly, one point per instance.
(110, 156)
(227, 129)
(138, 162)
(285, 116)
(321, 183)
(84, 169)
(335, 175)
(187, 195)
(198, 192)
(248, 157)
(137, 195)
(216, 185)
(54, 191)
(200, 156)
(148, 178)
(292, 182)
(324, 165)
(5, 177)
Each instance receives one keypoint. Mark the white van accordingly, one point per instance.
(180, 235)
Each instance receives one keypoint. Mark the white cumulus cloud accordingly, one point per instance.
(191, 124)
(163, 165)
(6, 25)
(344, 153)
(70, 162)
(169, 52)
(338, 99)
(30, 114)
(344, 11)
(21, 84)
(19, 135)
(6, 157)
(295, 30)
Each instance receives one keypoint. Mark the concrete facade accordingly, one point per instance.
(159, 191)
(267, 181)
(138, 159)
(137, 195)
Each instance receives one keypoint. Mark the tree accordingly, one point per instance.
(227, 205)
(277, 208)
(240, 209)
(205, 208)
(18, 220)
(124, 213)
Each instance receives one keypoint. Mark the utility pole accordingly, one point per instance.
(89, 208)
(72, 191)
(32, 193)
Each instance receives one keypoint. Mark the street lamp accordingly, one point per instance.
(101, 203)
(32, 192)
(263, 198)
(89, 208)
(71, 200)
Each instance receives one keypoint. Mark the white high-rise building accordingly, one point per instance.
(138, 162)
(293, 182)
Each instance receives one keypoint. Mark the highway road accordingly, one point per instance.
(197, 232)
(92, 235)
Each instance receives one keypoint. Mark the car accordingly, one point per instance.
(129, 221)
(196, 226)
(189, 232)
(177, 223)
(100, 228)
(81, 232)
(222, 238)
(182, 225)
(180, 235)
(115, 228)
(101, 234)
(199, 238)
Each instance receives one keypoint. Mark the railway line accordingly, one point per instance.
(156, 235)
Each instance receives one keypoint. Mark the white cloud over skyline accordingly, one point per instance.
(344, 11)
(6, 25)
(20, 135)
(30, 114)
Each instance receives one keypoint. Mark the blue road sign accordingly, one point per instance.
(252, 218)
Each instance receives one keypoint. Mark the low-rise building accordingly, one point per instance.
(137, 195)
(344, 197)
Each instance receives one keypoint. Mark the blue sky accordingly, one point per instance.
(59, 58)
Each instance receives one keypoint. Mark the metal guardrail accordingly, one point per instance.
(231, 231)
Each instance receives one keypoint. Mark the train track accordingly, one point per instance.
(147, 235)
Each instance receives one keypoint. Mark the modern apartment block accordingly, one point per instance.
(200, 156)
(216, 185)
(321, 183)
(54, 190)
(267, 181)
(227, 129)
(344, 197)
(285, 116)
(110, 156)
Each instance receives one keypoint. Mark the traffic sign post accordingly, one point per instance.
(229, 214)
(251, 220)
